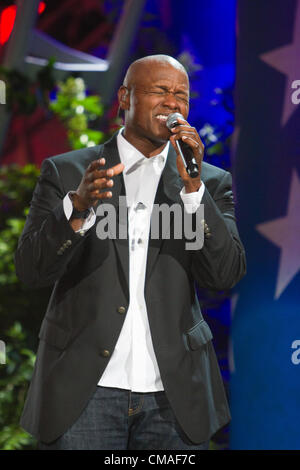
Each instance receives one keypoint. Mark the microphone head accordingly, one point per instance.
(172, 120)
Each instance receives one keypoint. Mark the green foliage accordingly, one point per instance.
(16, 187)
(20, 312)
(78, 111)
(13, 387)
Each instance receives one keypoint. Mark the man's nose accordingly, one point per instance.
(170, 100)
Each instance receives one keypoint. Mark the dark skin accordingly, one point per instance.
(95, 185)
(152, 89)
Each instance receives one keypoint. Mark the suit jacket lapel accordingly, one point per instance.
(111, 155)
(168, 190)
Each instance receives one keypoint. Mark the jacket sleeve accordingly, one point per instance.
(221, 262)
(48, 241)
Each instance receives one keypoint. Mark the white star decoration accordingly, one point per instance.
(287, 60)
(285, 233)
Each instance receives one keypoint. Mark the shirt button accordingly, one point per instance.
(105, 353)
(121, 309)
(140, 206)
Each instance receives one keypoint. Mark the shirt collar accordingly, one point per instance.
(132, 157)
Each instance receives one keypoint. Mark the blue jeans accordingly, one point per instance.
(117, 419)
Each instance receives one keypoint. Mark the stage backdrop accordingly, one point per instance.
(265, 381)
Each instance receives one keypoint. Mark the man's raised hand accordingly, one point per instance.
(95, 184)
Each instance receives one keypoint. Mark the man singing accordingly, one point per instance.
(125, 358)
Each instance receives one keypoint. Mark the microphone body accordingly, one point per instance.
(184, 149)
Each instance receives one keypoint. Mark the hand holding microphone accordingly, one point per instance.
(189, 148)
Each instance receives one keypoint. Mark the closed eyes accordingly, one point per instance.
(162, 93)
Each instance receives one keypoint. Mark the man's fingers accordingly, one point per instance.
(101, 179)
(115, 170)
(97, 181)
(190, 138)
(188, 134)
(107, 173)
(101, 195)
(182, 121)
(192, 142)
(101, 183)
(198, 151)
(101, 162)
(96, 163)
(97, 174)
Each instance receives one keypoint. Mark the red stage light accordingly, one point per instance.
(42, 6)
(7, 20)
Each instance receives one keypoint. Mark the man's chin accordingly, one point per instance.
(160, 141)
(163, 135)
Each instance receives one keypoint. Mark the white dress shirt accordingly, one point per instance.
(133, 365)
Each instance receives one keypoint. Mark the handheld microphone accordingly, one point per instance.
(184, 149)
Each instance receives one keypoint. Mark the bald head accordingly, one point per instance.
(154, 87)
(148, 62)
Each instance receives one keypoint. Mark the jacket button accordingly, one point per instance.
(121, 309)
(105, 353)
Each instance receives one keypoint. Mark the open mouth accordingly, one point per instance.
(162, 117)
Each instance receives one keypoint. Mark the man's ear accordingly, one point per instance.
(124, 98)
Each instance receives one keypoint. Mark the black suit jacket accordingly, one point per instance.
(90, 276)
